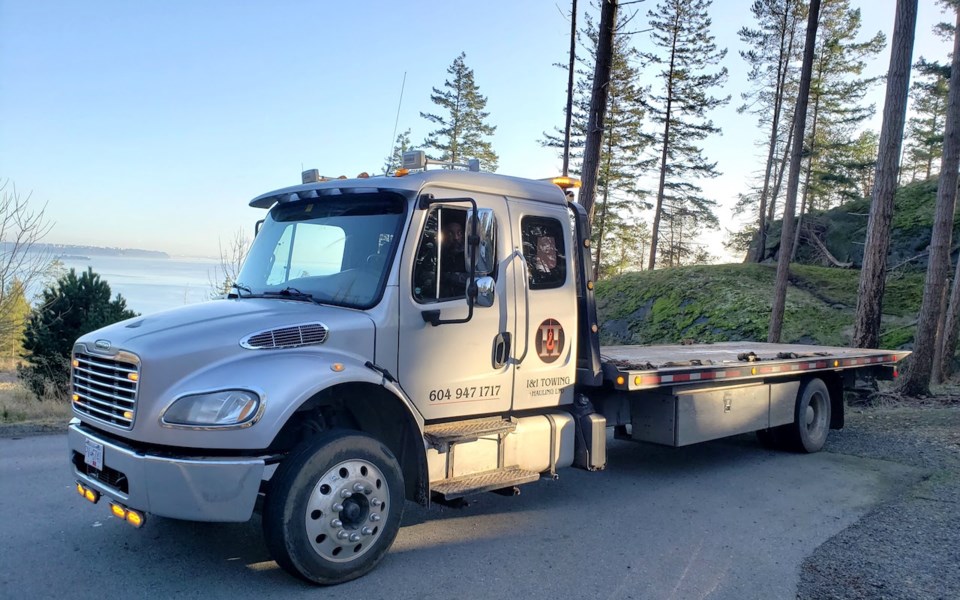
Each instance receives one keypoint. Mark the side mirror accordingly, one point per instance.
(485, 289)
(486, 247)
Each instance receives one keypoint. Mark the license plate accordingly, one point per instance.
(94, 455)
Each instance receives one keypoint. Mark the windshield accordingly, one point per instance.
(331, 249)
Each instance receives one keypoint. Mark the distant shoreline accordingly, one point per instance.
(71, 252)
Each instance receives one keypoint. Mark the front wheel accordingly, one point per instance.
(334, 507)
(811, 424)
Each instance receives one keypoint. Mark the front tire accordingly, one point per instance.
(333, 507)
(811, 424)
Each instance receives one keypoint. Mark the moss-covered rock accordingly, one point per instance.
(732, 302)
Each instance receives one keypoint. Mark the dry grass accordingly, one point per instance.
(18, 405)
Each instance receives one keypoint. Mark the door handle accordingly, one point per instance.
(501, 349)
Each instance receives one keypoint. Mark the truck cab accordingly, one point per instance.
(423, 327)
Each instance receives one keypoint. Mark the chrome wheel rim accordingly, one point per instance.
(347, 510)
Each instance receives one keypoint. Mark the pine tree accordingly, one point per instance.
(837, 88)
(873, 273)
(462, 123)
(916, 380)
(395, 160)
(688, 55)
(925, 128)
(772, 46)
(621, 156)
(73, 306)
(13, 320)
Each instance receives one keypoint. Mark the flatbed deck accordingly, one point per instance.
(647, 367)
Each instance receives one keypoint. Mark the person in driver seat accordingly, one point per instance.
(453, 275)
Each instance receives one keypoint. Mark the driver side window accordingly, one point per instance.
(440, 271)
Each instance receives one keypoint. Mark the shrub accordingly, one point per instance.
(71, 307)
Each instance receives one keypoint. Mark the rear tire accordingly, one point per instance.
(333, 508)
(811, 423)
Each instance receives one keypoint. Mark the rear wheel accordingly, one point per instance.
(811, 424)
(334, 507)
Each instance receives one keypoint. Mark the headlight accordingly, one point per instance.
(227, 408)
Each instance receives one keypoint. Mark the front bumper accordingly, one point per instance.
(191, 488)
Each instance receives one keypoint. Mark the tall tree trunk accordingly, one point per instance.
(570, 72)
(916, 380)
(782, 69)
(598, 106)
(793, 180)
(771, 215)
(951, 329)
(603, 215)
(936, 376)
(658, 210)
(807, 201)
(866, 331)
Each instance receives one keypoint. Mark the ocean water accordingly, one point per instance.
(150, 285)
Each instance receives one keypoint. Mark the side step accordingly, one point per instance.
(451, 489)
(459, 432)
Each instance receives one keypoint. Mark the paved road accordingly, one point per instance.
(725, 519)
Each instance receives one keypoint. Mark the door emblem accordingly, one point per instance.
(549, 340)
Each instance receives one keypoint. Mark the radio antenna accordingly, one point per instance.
(395, 123)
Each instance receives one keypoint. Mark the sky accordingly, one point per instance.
(152, 124)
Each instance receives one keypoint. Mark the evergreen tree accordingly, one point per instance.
(688, 55)
(462, 124)
(836, 108)
(621, 157)
(70, 308)
(13, 319)
(925, 128)
(772, 45)
(395, 160)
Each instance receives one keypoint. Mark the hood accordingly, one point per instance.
(220, 324)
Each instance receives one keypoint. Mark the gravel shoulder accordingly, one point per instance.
(909, 547)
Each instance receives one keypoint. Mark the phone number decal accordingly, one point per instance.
(474, 392)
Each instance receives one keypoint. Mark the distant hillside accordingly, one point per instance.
(732, 302)
(71, 251)
(843, 230)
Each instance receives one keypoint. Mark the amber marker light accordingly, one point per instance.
(134, 518)
(80, 489)
(133, 377)
(337, 367)
(636, 380)
(118, 511)
(401, 172)
(75, 398)
(836, 363)
(128, 414)
(75, 363)
(620, 380)
(91, 495)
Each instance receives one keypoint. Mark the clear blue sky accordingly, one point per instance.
(151, 124)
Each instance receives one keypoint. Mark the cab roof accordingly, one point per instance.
(466, 181)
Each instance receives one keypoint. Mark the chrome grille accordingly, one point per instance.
(287, 337)
(105, 388)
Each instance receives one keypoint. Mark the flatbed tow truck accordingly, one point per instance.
(364, 359)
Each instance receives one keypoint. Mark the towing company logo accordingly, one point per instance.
(549, 341)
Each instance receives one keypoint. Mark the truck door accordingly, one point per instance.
(546, 355)
(457, 369)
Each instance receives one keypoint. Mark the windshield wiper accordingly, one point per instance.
(293, 294)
